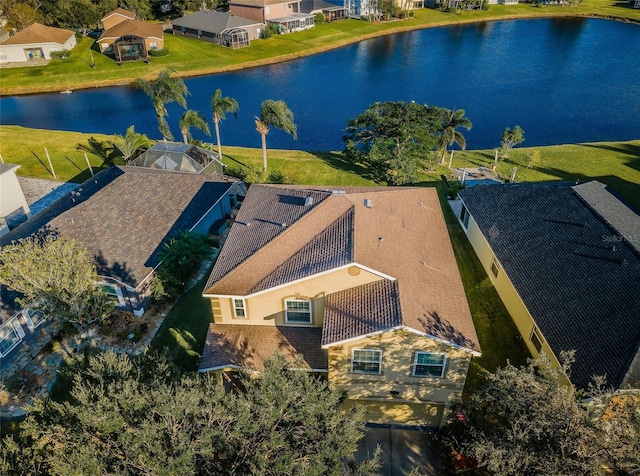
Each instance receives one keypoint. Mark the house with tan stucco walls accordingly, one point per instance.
(357, 285)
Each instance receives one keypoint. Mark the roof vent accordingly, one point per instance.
(368, 203)
(308, 201)
(338, 192)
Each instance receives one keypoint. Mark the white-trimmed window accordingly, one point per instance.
(495, 267)
(536, 339)
(298, 311)
(239, 309)
(9, 338)
(464, 216)
(114, 292)
(32, 318)
(366, 361)
(429, 364)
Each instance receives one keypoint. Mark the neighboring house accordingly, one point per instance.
(127, 39)
(565, 261)
(221, 28)
(36, 42)
(331, 11)
(180, 157)
(14, 208)
(119, 15)
(123, 216)
(285, 15)
(4, 35)
(360, 284)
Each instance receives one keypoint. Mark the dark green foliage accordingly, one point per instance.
(318, 18)
(162, 52)
(62, 54)
(135, 415)
(181, 257)
(392, 138)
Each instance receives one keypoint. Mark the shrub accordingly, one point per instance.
(276, 177)
(318, 18)
(62, 54)
(162, 52)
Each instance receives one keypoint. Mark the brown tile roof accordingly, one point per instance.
(402, 235)
(122, 12)
(245, 346)
(38, 33)
(360, 311)
(138, 28)
(124, 214)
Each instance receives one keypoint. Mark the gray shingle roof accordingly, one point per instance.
(575, 273)
(360, 311)
(308, 6)
(7, 167)
(124, 214)
(212, 21)
(246, 346)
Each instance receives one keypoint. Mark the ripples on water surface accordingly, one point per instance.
(561, 80)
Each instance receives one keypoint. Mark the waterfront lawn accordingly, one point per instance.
(192, 57)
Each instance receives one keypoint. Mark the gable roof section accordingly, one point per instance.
(574, 272)
(360, 311)
(212, 21)
(396, 232)
(124, 214)
(242, 346)
(38, 33)
(140, 28)
(260, 3)
(122, 12)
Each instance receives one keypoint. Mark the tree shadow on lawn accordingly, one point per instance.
(631, 150)
(337, 161)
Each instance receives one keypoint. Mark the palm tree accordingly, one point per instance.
(192, 119)
(131, 144)
(454, 119)
(102, 149)
(163, 90)
(220, 106)
(274, 114)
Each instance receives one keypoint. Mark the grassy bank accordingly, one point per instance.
(190, 57)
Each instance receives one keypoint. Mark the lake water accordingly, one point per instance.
(561, 80)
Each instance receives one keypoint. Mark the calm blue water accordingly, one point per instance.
(561, 80)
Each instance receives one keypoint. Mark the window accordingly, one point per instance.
(33, 318)
(239, 309)
(199, 33)
(427, 364)
(298, 311)
(495, 266)
(366, 361)
(464, 216)
(9, 338)
(536, 339)
(153, 45)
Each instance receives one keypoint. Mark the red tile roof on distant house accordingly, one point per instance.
(38, 33)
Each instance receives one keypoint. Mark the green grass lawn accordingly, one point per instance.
(192, 57)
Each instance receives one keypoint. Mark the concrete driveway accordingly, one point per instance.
(402, 451)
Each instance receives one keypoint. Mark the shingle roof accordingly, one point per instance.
(124, 214)
(360, 311)
(308, 6)
(140, 28)
(574, 272)
(120, 11)
(212, 21)
(38, 33)
(7, 167)
(259, 3)
(246, 346)
(402, 235)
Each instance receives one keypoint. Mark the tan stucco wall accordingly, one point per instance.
(268, 308)
(398, 353)
(512, 301)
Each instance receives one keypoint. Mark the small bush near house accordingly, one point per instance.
(318, 18)
(62, 54)
(157, 53)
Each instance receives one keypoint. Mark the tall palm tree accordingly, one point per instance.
(220, 106)
(274, 114)
(131, 144)
(192, 119)
(453, 120)
(163, 90)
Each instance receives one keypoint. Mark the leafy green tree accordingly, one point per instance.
(56, 277)
(165, 89)
(529, 420)
(135, 415)
(274, 114)
(453, 121)
(510, 139)
(220, 106)
(19, 14)
(392, 138)
(131, 144)
(191, 119)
